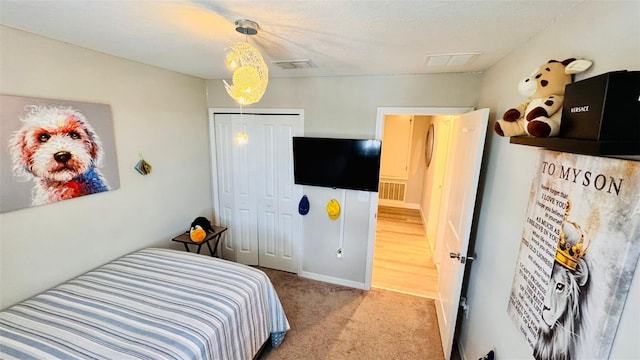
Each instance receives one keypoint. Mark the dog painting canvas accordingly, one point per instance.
(54, 150)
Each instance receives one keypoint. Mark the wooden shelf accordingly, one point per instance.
(578, 146)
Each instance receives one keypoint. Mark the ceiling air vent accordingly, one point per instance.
(455, 59)
(293, 64)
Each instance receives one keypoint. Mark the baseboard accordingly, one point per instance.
(398, 204)
(391, 203)
(332, 280)
(424, 219)
(425, 225)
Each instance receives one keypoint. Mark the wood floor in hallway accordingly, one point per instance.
(402, 259)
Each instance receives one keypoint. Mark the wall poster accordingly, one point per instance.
(54, 150)
(578, 253)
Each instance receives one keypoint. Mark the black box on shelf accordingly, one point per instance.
(604, 107)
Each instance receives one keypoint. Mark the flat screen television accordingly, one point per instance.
(352, 164)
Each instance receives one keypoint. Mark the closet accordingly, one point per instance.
(253, 190)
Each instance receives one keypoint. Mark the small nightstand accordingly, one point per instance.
(185, 239)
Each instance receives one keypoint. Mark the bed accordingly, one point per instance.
(150, 304)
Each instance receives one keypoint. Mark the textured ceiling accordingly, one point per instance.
(338, 37)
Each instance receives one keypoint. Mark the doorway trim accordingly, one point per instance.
(373, 207)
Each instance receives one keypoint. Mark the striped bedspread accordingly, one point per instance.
(151, 304)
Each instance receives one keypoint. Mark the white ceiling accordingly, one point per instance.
(354, 37)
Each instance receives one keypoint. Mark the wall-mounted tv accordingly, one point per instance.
(337, 163)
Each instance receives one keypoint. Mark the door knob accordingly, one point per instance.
(462, 259)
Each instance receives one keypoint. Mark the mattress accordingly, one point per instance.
(150, 304)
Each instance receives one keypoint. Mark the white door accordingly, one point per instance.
(257, 199)
(463, 171)
(279, 224)
(236, 192)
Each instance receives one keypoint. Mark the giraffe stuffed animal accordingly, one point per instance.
(540, 116)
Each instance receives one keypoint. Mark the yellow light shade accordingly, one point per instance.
(236, 94)
(251, 75)
(233, 60)
(246, 79)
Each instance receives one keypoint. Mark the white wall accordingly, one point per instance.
(347, 107)
(159, 113)
(417, 165)
(608, 34)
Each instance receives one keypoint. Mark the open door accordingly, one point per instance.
(454, 229)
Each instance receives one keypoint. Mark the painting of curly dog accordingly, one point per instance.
(58, 150)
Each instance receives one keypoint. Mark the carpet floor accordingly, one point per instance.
(336, 322)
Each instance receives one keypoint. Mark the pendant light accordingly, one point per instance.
(250, 72)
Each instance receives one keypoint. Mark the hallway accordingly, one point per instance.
(402, 259)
